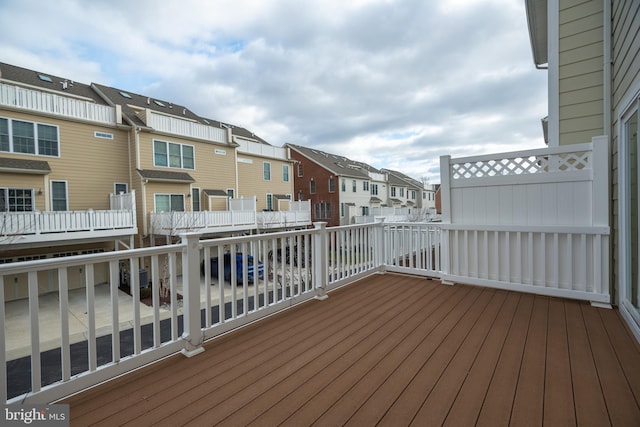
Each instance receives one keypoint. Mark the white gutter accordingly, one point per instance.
(607, 68)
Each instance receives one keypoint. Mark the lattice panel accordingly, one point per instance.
(564, 162)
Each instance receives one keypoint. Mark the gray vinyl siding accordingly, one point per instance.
(626, 70)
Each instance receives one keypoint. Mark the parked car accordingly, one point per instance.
(239, 267)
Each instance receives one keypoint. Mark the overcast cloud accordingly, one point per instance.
(392, 83)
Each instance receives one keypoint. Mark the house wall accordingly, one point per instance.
(251, 180)
(580, 70)
(90, 165)
(359, 198)
(321, 177)
(213, 170)
(625, 44)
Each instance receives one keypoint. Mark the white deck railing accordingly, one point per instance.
(19, 97)
(242, 216)
(263, 150)
(183, 127)
(24, 227)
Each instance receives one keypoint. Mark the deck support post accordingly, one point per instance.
(319, 256)
(192, 335)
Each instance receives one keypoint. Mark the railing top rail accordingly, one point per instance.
(573, 148)
(241, 239)
(551, 229)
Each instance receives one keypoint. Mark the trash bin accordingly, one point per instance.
(144, 278)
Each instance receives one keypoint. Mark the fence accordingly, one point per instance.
(534, 221)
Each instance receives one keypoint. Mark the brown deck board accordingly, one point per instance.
(589, 401)
(528, 402)
(558, 397)
(619, 398)
(391, 350)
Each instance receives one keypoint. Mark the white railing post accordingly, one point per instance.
(320, 260)
(192, 335)
(380, 245)
(445, 188)
(600, 193)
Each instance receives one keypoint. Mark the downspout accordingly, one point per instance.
(607, 69)
(607, 128)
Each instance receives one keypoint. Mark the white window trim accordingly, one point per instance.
(193, 199)
(288, 175)
(35, 137)
(153, 146)
(263, 171)
(115, 185)
(168, 194)
(66, 192)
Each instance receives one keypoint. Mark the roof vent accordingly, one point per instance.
(65, 85)
(148, 101)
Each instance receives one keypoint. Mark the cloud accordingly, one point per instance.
(392, 83)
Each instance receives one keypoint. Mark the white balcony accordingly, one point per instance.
(23, 228)
(242, 216)
(183, 127)
(34, 100)
(263, 150)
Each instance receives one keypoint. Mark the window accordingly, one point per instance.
(285, 173)
(413, 194)
(353, 186)
(103, 135)
(230, 193)
(23, 137)
(299, 169)
(120, 187)
(59, 196)
(365, 210)
(4, 135)
(332, 184)
(401, 191)
(19, 136)
(374, 189)
(365, 185)
(393, 191)
(341, 209)
(173, 155)
(195, 199)
(269, 202)
(16, 200)
(266, 171)
(169, 202)
(322, 210)
(343, 184)
(312, 186)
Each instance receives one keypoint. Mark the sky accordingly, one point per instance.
(393, 83)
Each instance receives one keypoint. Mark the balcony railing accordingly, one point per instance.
(242, 216)
(26, 227)
(18, 97)
(185, 127)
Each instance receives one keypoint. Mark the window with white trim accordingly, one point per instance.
(374, 189)
(312, 187)
(195, 199)
(269, 201)
(120, 187)
(169, 202)
(231, 193)
(365, 185)
(266, 171)
(173, 155)
(59, 196)
(19, 136)
(285, 173)
(16, 200)
(300, 169)
(393, 191)
(332, 184)
(354, 186)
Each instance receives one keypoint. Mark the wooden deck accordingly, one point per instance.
(394, 350)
